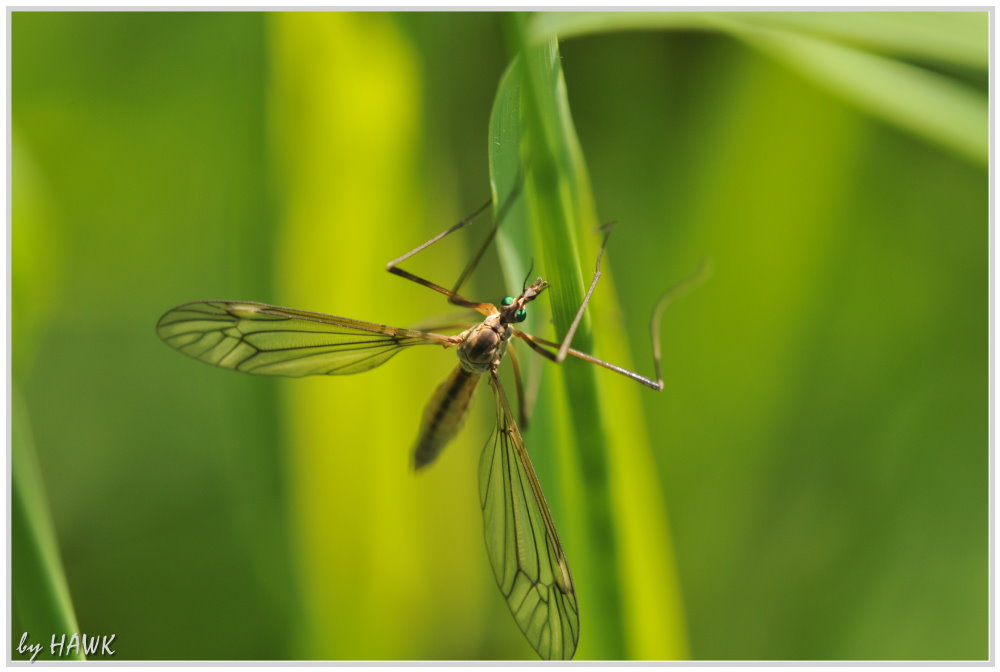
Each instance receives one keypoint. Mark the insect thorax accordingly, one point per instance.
(484, 345)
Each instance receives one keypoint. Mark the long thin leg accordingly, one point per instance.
(665, 299)
(702, 273)
(564, 347)
(504, 208)
(522, 402)
(536, 344)
(453, 295)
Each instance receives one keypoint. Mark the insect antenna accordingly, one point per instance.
(531, 267)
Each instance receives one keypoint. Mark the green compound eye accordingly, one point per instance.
(520, 315)
(507, 300)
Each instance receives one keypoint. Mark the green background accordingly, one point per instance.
(820, 450)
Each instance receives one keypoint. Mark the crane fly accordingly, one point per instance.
(521, 539)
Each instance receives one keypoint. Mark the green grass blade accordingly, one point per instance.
(514, 235)
(609, 504)
(958, 38)
(827, 48)
(546, 26)
(41, 603)
(938, 108)
(556, 207)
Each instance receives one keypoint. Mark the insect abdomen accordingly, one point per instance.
(444, 415)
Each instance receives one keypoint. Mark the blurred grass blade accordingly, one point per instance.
(626, 581)
(546, 26)
(959, 38)
(942, 110)
(41, 604)
(936, 107)
(347, 145)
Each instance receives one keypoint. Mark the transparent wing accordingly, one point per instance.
(274, 341)
(521, 539)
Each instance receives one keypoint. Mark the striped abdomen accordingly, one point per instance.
(444, 415)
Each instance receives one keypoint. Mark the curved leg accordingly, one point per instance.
(538, 344)
(453, 296)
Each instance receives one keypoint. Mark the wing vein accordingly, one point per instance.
(537, 585)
